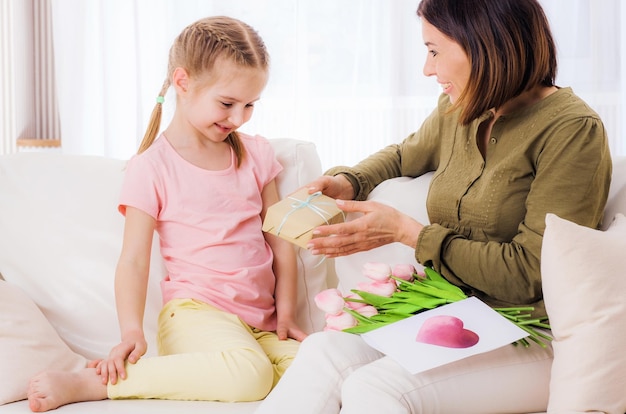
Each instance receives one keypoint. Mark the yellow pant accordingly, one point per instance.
(207, 354)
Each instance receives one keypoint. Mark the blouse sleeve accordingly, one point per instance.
(415, 155)
(572, 177)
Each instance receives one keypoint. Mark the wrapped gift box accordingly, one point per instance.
(295, 217)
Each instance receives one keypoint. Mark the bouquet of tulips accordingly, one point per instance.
(400, 292)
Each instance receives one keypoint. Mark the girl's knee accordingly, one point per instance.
(254, 377)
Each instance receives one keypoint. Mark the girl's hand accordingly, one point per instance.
(289, 329)
(378, 225)
(132, 347)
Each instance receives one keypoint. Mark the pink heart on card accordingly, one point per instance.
(446, 331)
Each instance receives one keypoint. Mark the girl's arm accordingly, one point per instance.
(286, 272)
(131, 283)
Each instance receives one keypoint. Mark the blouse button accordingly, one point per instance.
(493, 140)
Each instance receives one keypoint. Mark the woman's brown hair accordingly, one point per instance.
(197, 48)
(509, 45)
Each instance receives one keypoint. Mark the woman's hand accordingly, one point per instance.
(132, 347)
(338, 187)
(378, 225)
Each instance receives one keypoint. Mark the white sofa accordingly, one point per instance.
(60, 235)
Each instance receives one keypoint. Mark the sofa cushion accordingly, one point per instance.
(61, 237)
(62, 234)
(28, 344)
(584, 281)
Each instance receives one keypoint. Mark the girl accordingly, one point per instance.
(229, 297)
(506, 146)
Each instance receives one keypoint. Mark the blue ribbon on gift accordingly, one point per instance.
(308, 203)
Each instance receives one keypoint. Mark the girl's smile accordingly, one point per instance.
(214, 106)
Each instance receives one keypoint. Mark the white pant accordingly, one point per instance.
(338, 372)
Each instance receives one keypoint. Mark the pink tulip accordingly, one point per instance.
(330, 301)
(368, 311)
(378, 272)
(354, 305)
(339, 322)
(379, 288)
(404, 272)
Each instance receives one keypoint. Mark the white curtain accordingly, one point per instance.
(346, 75)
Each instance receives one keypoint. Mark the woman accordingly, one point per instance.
(506, 146)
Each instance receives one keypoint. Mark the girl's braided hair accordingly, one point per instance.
(197, 48)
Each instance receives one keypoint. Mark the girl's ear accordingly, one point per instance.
(180, 80)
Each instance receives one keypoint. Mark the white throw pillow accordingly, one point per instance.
(584, 285)
(406, 194)
(28, 344)
(61, 237)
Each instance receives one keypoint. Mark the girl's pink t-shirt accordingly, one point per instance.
(209, 226)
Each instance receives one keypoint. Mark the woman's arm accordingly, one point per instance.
(378, 224)
(417, 154)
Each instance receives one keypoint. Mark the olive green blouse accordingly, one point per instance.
(487, 214)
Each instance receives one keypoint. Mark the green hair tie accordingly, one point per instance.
(160, 99)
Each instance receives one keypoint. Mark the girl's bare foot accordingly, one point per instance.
(52, 389)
